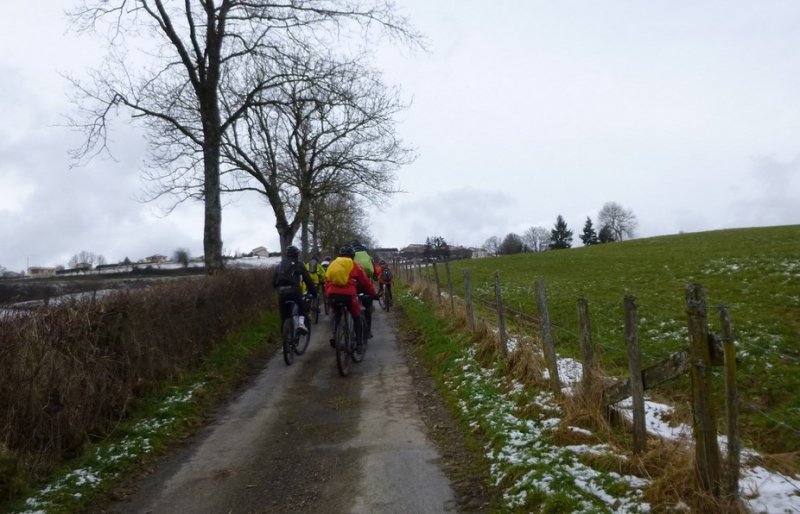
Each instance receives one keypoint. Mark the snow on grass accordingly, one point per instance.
(524, 465)
(105, 461)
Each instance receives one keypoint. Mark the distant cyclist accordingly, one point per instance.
(385, 277)
(286, 280)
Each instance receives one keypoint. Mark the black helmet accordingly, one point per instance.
(358, 247)
(346, 251)
(293, 252)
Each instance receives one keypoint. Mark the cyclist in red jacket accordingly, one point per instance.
(348, 293)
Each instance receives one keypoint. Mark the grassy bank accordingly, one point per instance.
(756, 272)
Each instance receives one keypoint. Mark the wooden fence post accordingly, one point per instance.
(438, 284)
(450, 287)
(587, 348)
(501, 322)
(635, 367)
(468, 299)
(547, 338)
(732, 407)
(705, 421)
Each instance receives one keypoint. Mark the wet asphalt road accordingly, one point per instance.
(304, 439)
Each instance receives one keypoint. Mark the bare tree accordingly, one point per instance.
(619, 220)
(181, 255)
(537, 239)
(85, 257)
(511, 244)
(339, 219)
(491, 245)
(198, 58)
(330, 129)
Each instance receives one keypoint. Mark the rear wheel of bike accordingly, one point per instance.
(301, 344)
(288, 341)
(342, 346)
(315, 309)
(360, 347)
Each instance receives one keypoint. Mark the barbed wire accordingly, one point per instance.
(767, 416)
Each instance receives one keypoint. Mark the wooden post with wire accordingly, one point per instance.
(707, 455)
(468, 300)
(450, 287)
(587, 348)
(635, 368)
(438, 284)
(501, 322)
(547, 338)
(731, 407)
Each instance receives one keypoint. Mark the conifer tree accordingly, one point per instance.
(589, 236)
(560, 236)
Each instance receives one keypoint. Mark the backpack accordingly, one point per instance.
(339, 270)
(287, 274)
(386, 274)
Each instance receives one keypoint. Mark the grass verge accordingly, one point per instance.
(174, 411)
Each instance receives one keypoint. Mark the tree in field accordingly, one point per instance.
(606, 235)
(85, 257)
(589, 236)
(203, 65)
(560, 236)
(329, 129)
(511, 244)
(537, 239)
(436, 248)
(181, 255)
(491, 245)
(621, 221)
(339, 219)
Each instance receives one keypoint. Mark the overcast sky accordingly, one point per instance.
(686, 112)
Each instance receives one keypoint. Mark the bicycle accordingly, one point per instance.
(349, 348)
(385, 298)
(315, 306)
(293, 341)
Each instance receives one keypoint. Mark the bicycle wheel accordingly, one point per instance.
(288, 341)
(388, 299)
(301, 343)
(324, 300)
(315, 309)
(343, 353)
(381, 298)
(360, 346)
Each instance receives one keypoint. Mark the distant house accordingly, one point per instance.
(156, 259)
(40, 272)
(479, 253)
(83, 266)
(260, 251)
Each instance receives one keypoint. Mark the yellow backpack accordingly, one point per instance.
(339, 271)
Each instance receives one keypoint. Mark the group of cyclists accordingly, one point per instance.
(345, 280)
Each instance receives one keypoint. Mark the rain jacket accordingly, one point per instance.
(358, 280)
(363, 258)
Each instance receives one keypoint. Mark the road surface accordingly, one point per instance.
(304, 439)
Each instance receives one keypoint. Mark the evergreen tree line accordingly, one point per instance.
(616, 224)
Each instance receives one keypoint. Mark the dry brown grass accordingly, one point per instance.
(70, 372)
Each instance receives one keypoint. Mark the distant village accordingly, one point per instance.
(412, 252)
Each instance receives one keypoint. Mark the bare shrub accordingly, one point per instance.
(71, 371)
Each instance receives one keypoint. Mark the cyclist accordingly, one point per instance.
(343, 280)
(287, 282)
(363, 258)
(326, 261)
(316, 271)
(385, 277)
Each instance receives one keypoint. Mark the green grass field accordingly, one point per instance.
(754, 271)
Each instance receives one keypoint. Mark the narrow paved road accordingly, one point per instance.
(304, 439)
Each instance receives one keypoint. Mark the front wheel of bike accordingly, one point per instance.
(301, 343)
(382, 299)
(343, 357)
(287, 334)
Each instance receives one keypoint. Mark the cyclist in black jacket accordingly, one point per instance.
(286, 280)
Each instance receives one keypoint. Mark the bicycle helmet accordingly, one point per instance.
(347, 251)
(293, 252)
(358, 246)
